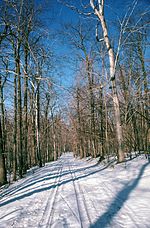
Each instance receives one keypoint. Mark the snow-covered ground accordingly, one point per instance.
(79, 194)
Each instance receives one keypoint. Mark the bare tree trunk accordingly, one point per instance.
(46, 153)
(106, 128)
(25, 135)
(2, 111)
(3, 177)
(99, 11)
(37, 123)
(20, 136)
(54, 137)
(92, 105)
(15, 130)
(102, 108)
(33, 154)
(101, 123)
(81, 147)
(54, 142)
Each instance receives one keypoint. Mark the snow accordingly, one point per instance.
(78, 193)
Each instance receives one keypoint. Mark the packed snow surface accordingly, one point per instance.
(78, 193)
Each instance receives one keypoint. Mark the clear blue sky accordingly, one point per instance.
(55, 15)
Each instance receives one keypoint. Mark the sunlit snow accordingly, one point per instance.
(78, 193)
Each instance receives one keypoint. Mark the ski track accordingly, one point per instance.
(86, 203)
(76, 190)
(76, 214)
(47, 216)
(61, 195)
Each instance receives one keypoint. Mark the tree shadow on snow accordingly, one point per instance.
(118, 202)
(38, 178)
(41, 188)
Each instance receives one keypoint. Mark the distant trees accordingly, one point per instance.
(80, 42)
(139, 72)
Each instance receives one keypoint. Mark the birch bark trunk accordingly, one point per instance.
(99, 12)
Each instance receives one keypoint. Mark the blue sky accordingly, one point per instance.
(55, 15)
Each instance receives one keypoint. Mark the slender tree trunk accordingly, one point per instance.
(92, 105)
(100, 14)
(33, 128)
(103, 152)
(81, 147)
(15, 133)
(15, 130)
(106, 129)
(54, 142)
(20, 136)
(2, 114)
(3, 176)
(46, 130)
(25, 135)
(101, 123)
(37, 123)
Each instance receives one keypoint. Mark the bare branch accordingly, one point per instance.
(75, 9)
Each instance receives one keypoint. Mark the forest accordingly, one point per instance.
(103, 107)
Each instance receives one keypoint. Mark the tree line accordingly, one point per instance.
(111, 102)
(32, 131)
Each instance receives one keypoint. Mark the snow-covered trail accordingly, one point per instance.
(79, 194)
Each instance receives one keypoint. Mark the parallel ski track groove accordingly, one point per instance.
(50, 203)
(76, 196)
(86, 198)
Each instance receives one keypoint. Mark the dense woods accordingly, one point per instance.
(109, 102)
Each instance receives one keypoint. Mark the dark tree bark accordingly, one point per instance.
(46, 155)
(80, 139)
(19, 94)
(37, 123)
(3, 177)
(25, 135)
